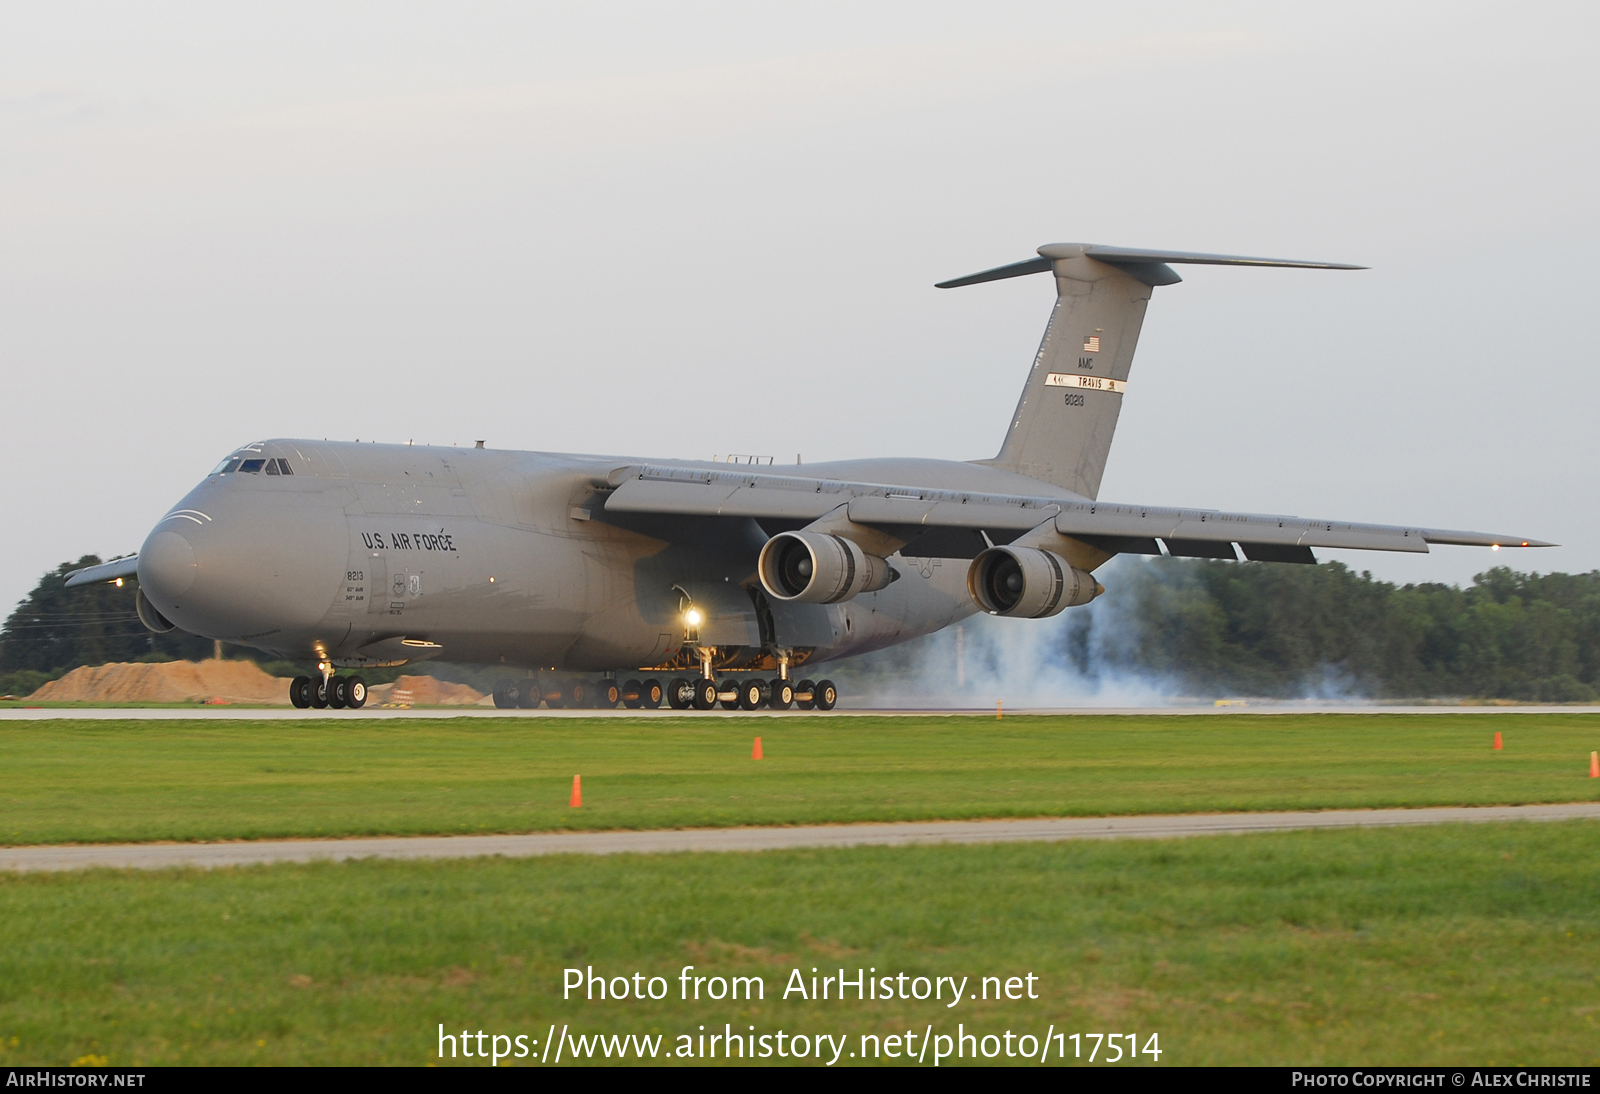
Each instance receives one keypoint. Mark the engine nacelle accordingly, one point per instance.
(1027, 583)
(818, 568)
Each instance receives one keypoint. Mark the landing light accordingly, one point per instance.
(692, 617)
(1496, 547)
(119, 583)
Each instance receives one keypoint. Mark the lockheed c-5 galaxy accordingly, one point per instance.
(731, 582)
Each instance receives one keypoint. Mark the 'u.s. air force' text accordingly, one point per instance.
(408, 541)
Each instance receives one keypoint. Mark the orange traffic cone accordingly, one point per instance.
(577, 791)
(1497, 743)
(755, 753)
(1594, 765)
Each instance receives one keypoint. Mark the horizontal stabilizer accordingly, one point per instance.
(999, 273)
(1143, 262)
(106, 571)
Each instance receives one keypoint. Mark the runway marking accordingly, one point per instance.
(152, 856)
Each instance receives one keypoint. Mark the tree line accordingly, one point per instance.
(1223, 628)
(56, 629)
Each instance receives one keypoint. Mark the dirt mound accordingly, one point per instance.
(425, 692)
(169, 682)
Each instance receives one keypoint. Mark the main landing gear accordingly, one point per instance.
(602, 694)
(680, 694)
(319, 692)
(752, 694)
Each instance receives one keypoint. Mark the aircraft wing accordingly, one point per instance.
(933, 521)
(106, 571)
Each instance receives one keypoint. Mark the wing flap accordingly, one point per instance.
(1190, 525)
(1276, 552)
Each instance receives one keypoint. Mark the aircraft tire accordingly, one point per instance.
(607, 694)
(827, 695)
(752, 695)
(705, 694)
(680, 694)
(723, 688)
(502, 695)
(579, 695)
(633, 695)
(556, 699)
(808, 688)
(336, 692)
(318, 693)
(355, 693)
(300, 692)
(650, 694)
(782, 695)
(529, 694)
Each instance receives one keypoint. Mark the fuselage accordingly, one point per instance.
(367, 554)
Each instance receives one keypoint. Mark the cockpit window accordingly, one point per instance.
(274, 466)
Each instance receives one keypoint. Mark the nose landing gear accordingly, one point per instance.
(323, 691)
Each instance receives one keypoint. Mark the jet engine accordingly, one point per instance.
(1027, 583)
(818, 568)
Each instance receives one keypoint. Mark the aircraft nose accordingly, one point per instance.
(235, 565)
(166, 566)
(183, 572)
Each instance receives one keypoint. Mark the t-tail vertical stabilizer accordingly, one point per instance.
(1062, 430)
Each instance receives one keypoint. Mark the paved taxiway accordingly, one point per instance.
(20, 714)
(1045, 829)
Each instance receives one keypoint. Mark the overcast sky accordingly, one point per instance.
(679, 230)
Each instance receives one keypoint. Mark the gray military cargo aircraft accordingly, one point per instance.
(578, 571)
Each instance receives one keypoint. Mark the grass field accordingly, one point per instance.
(1455, 944)
(68, 781)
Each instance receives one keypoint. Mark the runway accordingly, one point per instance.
(10, 713)
(150, 856)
